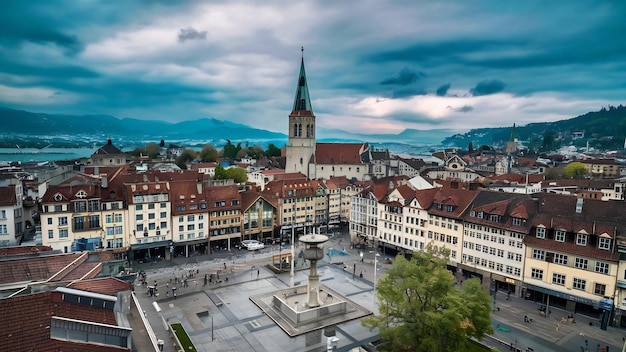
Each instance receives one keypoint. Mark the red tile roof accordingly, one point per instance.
(108, 285)
(34, 269)
(26, 322)
(339, 153)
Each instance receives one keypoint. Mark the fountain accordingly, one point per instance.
(306, 308)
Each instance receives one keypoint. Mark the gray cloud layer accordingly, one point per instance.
(180, 60)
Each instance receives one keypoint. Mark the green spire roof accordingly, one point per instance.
(302, 101)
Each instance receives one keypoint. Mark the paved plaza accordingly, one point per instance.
(221, 317)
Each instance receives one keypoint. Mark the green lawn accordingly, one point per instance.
(184, 339)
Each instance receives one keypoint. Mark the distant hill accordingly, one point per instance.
(39, 130)
(605, 129)
(97, 128)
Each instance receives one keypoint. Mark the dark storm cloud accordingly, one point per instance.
(55, 72)
(487, 87)
(405, 77)
(190, 34)
(442, 90)
(464, 108)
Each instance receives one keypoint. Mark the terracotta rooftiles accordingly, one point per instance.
(107, 286)
(26, 322)
(339, 153)
(34, 269)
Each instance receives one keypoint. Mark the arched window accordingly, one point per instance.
(299, 130)
(301, 161)
(308, 130)
(295, 130)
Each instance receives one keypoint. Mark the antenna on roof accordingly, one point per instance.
(302, 49)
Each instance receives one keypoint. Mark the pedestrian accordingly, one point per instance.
(361, 274)
(557, 327)
(257, 273)
(224, 266)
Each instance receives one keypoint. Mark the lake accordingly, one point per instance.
(45, 154)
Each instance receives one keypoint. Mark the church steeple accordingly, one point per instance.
(302, 101)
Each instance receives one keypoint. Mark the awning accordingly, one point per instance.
(570, 297)
(158, 244)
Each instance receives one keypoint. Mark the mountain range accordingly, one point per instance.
(40, 129)
(606, 127)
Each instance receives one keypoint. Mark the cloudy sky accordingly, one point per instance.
(372, 66)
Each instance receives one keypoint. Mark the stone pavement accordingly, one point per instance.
(221, 317)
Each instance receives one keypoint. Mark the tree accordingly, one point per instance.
(421, 309)
(230, 151)
(186, 156)
(152, 149)
(235, 173)
(272, 150)
(575, 169)
(208, 153)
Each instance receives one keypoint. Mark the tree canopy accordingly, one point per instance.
(421, 308)
(575, 169)
(236, 173)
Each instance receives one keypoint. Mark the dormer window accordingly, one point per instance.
(494, 218)
(450, 208)
(581, 239)
(559, 236)
(604, 243)
(540, 232)
(516, 221)
(81, 194)
(480, 214)
(58, 197)
(472, 213)
(439, 206)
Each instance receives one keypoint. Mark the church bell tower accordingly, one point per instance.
(301, 144)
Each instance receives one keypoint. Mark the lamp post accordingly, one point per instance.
(375, 282)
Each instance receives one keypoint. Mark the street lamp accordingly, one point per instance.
(375, 282)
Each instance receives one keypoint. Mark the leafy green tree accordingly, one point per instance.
(575, 169)
(272, 150)
(421, 309)
(230, 151)
(235, 173)
(208, 153)
(186, 156)
(152, 149)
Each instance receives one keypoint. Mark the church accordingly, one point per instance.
(323, 160)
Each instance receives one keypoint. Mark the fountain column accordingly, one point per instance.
(313, 252)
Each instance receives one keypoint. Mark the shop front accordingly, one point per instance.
(150, 252)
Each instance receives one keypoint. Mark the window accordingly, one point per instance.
(581, 263)
(602, 267)
(117, 217)
(49, 221)
(581, 239)
(516, 221)
(151, 216)
(560, 259)
(579, 284)
(63, 221)
(163, 214)
(138, 217)
(604, 243)
(139, 207)
(599, 289)
(63, 233)
(540, 232)
(539, 254)
(558, 279)
(559, 236)
(50, 234)
(151, 206)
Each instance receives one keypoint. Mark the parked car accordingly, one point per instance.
(252, 245)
